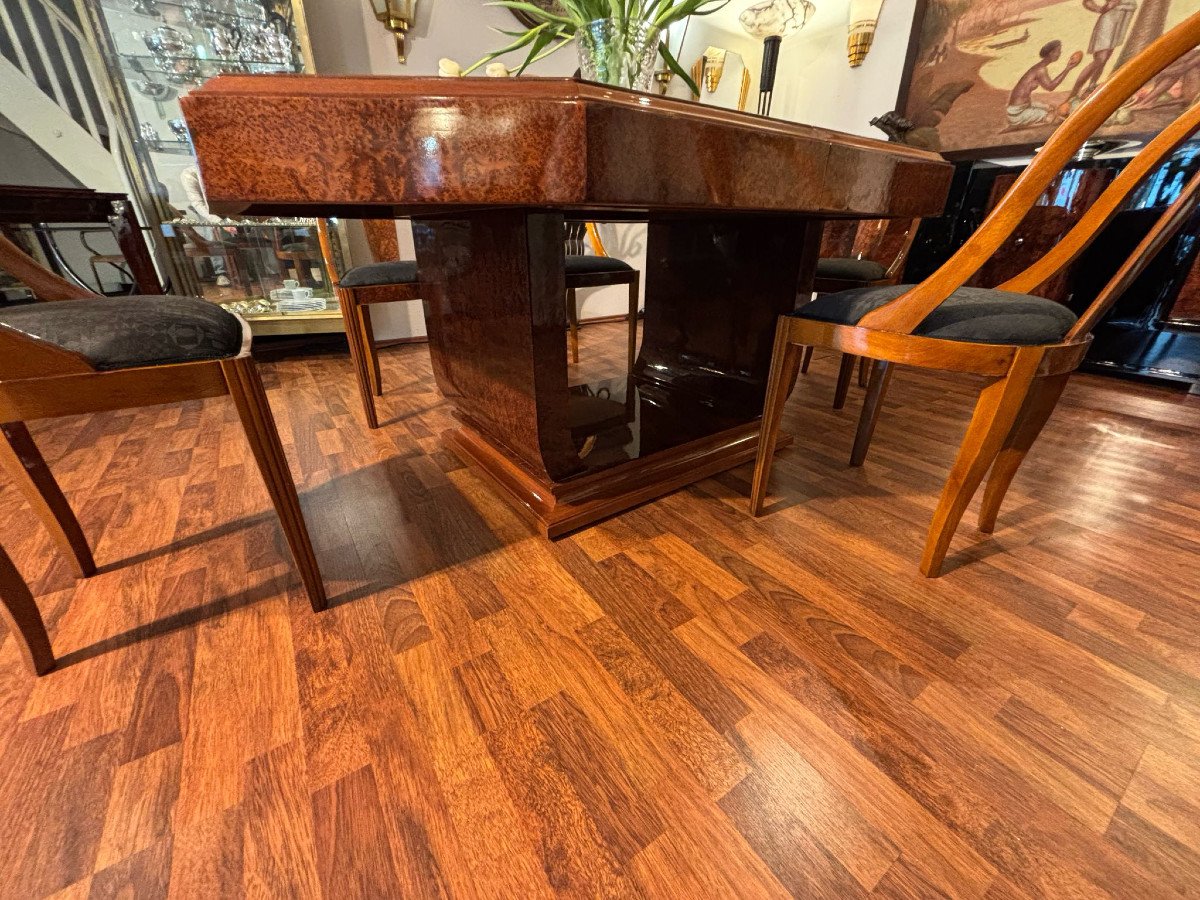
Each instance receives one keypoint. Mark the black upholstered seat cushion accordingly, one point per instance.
(975, 315)
(595, 265)
(124, 332)
(849, 269)
(396, 271)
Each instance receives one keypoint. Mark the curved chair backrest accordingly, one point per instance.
(44, 283)
(885, 241)
(906, 312)
(22, 356)
(382, 239)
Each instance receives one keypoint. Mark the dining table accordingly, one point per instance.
(490, 171)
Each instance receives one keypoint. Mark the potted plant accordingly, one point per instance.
(618, 40)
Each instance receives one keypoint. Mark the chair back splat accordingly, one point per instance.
(907, 311)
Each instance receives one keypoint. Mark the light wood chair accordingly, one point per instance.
(392, 280)
(1026, 345)
(387, 280)
(863, 254)
(77, 352)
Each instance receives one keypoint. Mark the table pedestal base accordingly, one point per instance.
(556, 509)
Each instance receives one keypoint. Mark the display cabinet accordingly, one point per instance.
(156, 51)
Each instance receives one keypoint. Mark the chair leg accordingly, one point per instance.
(250, 398)
(21, 458)
(881, 376)
(806, 359)
(362, 365)
(573, 325)
(1039, 404)
(785, 364)
(995, 412)
(845, 373)
(370, 351)
(634, 296)
(20, 613)
(864, 368)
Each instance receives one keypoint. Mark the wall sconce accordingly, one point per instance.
(864, 15)
(397, 17)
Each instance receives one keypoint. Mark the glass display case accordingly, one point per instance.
(157, 51)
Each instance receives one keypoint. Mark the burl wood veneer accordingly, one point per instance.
(489, 170)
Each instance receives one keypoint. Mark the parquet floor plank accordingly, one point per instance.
(682, 701)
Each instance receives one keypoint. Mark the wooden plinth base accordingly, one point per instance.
(556, 509)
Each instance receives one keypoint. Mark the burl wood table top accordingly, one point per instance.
(309, 144)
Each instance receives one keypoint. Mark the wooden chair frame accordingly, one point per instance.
(1025, 381)
(40, 380)
(356, 303)
(892, 275)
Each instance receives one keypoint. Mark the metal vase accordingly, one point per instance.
(618, 52)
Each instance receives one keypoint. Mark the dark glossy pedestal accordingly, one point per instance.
(489, 171)
(714, 289)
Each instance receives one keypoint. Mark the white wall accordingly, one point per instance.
(815, 84)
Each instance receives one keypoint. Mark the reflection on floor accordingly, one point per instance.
(682, 702)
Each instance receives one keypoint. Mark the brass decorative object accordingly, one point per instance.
(714, 68)
(864, 16)
(397, 16)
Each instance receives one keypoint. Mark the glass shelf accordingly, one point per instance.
(182, 10)
(178, 148)
(140, 67)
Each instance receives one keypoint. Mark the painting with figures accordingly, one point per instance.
(989, 76)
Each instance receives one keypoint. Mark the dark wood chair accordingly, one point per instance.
(392, 280)
(1026, 345)
(863, 254)
(77, 352)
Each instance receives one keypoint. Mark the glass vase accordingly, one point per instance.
(618, 52)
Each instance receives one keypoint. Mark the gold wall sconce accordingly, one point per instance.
(864, 15)
(397, 17)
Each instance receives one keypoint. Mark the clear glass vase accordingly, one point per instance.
(618, 52)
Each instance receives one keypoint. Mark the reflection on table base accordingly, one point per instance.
(558, 508)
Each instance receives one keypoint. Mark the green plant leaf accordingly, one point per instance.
(674, 66)
(537, 47)
(529, 37)
(536, 12)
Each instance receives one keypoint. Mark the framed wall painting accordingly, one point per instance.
(996, 77)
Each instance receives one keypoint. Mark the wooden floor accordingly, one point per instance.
(683, 702)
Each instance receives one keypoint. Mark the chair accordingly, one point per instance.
(78, 352)
(388, 280)
(599, 270)
(869, 253)
(392, 280)
(297, 251)
(1027, 346)
(229, 252)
